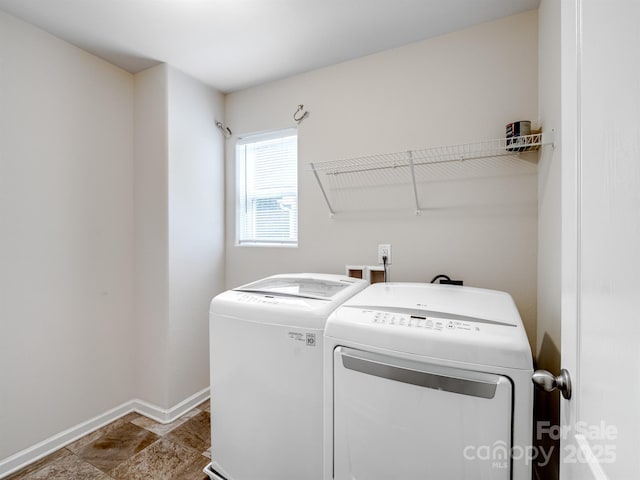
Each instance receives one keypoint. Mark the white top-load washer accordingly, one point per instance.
(427, 381)
(266, 375)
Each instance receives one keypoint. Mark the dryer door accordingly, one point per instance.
(402, 419)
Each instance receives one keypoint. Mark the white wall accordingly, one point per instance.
(111, 217)
(460, 87)
(196, 226)
(151, 235)
(66, 221)
(179, 242)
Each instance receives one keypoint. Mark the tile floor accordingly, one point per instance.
(133, 447)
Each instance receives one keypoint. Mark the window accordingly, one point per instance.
(267, 186)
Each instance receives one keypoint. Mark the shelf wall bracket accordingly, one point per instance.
(413, 181)
(549, 138)
(324, 193)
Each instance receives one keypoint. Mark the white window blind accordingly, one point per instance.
(267, 209)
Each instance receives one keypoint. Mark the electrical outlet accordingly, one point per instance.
(384, 250)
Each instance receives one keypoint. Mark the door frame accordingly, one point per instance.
(571, 155)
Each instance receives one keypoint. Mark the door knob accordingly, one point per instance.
(548, 382)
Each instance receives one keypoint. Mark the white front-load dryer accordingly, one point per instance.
(266, 375)
(427, 381)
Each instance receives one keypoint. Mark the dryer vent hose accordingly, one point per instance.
(446, 280)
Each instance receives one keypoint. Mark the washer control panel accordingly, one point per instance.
(253, 298)
(266, 299)
(417, 321)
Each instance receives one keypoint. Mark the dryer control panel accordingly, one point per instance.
(417, 321)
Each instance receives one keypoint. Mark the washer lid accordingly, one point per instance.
(303, 299)
(296, 286)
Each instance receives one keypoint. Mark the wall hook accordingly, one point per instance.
(226, 131)
(299, 117)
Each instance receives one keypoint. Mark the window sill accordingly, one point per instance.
(268, 245)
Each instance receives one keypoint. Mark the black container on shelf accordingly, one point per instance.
(516, 135)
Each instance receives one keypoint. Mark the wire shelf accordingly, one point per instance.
(393, 170)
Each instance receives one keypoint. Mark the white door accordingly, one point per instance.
(600, 141)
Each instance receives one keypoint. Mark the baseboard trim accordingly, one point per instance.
(162, 415)
(31, 454)
(46, 447)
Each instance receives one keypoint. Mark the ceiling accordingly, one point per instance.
(234, 44)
